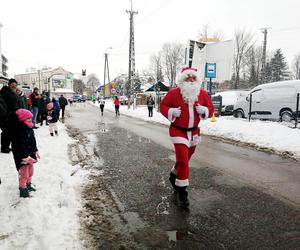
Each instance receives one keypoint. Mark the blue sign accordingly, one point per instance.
(210, 70)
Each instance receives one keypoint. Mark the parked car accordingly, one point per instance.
(123, 100)
(270, 101)
(229, 99)
(79, 98)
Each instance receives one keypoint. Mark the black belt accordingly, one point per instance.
(183, 129)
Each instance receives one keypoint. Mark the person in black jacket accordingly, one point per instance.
(35, 97)
(9, 96)
(150, 104)
(63, 102)
(24, 150)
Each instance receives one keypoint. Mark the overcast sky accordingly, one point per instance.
(75, 34)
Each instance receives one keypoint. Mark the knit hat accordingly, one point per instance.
(50, 105)
(12, 80)
(24, 115)
(183, 74)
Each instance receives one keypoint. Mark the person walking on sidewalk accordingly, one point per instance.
(117, 106)
(24, 150)
(52, 119)
(102, 103)
(184, 107)
(35, 99)
(9, 102)
(150, 104)
(63, 102)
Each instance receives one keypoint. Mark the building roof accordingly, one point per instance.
(157, 85)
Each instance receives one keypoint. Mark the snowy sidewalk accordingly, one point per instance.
(266, 134)
(48, 220)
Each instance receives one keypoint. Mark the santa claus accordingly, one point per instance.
(184, 107)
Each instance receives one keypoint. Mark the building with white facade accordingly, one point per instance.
(56, 81)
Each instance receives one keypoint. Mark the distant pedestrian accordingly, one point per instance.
(52, 119)
(102, 103)
(56, 107)
(150, 104)
(24, 150)
(35, 96)
(117, 106)
(42, 114)
(62, 104)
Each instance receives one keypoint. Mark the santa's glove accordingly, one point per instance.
(176, 112)
(37, 155)
(28, 160)
(49, 117)
(202, 111)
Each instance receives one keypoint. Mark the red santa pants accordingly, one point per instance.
(183, 156)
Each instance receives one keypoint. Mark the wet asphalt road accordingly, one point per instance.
(227, 210)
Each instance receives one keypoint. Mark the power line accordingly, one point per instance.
(153, 12)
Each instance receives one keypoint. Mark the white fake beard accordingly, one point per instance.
(189, 91)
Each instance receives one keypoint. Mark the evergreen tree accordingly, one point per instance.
(279, 67)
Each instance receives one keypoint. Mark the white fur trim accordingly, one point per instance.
(182, 183)
(189, 143)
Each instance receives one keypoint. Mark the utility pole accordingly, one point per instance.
(131, 68)
(106, 69)
(263, 68)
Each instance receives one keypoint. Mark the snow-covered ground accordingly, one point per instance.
(266, 134)
(47, 220)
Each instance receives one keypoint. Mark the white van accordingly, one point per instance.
(271, 101)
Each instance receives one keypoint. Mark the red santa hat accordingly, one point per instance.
(184, 72)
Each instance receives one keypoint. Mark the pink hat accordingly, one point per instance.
(24, 115)
(50, 105)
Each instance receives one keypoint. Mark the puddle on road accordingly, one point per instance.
(178, 235)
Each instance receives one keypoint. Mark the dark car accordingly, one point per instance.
(79, 98)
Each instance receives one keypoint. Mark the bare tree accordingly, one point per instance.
(243, 43)
(92, 84)
(253, 64)
(172, 59)
(296, 66)
(78, 86)
(205, 34)
(156, 67)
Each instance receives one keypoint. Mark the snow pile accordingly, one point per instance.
(47, 220)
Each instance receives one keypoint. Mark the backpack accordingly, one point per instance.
(3, 110)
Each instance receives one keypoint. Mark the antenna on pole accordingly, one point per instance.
(263, 68)
(131, 67)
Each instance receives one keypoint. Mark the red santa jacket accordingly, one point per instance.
(184, 129)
